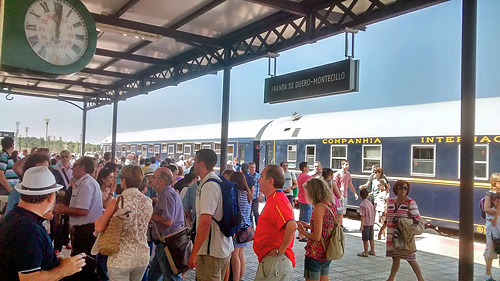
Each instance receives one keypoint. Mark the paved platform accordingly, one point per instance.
(351, 267)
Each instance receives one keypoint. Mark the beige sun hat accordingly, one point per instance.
(38, 181)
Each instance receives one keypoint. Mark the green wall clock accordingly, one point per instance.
(47, 38)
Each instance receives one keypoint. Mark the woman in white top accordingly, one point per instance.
(132, 259)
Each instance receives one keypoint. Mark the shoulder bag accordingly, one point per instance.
(109, 239)
(177, 246)
(335, 248)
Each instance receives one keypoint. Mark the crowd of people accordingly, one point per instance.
(61, 201)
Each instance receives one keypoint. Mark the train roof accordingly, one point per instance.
(432, 119)
(241, 129)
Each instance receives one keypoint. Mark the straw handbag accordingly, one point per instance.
(109, 240)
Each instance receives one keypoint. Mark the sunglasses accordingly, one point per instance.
(404, 187)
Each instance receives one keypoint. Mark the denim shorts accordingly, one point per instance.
(305, 212)
(313, 269)
(367, 233)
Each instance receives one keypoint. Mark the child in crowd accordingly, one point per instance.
(492, 232)
(367, 221)
(381, 206)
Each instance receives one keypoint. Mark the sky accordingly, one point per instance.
(410, 59)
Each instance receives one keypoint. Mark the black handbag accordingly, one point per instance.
(178, 247)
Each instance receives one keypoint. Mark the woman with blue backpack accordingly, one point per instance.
(245, 233)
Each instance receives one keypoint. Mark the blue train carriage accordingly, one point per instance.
(186, 140)
(417, 143)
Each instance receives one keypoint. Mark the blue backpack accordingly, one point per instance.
(231, 215)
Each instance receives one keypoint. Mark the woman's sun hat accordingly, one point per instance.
(38, 181)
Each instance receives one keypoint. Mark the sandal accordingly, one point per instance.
(363, 254)
(371, 253)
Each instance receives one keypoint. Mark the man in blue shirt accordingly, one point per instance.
(25, 248)
(256, 192)
(168, 217)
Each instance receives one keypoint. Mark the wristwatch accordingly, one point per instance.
(278, 252)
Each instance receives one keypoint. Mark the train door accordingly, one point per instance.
(241, 153)
(270, 153)
(310, 155)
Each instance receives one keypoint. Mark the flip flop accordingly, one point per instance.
(364, 255)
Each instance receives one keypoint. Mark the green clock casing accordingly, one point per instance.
(46, 37)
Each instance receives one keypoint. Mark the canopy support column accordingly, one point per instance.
(225, 117)
(466, 248)
(84, 128)
(113, 133)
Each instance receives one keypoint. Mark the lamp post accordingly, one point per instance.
(26, 128)
(46, 131)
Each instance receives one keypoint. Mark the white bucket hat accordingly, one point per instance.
(38, 181)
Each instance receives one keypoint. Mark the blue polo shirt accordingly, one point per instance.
(25, 246)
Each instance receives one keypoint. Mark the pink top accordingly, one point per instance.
(342, 179)
(366, 210)
(301, 179)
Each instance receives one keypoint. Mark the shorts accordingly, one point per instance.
(305, 212)
(489, 250)
(314, 269)
(238, 245)
(367, 233)
(342, 209)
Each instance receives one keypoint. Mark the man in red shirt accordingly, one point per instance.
(273, 240)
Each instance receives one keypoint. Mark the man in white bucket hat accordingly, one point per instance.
(26, 251)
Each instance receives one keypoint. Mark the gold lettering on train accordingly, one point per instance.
(356, 140)
(457, 139)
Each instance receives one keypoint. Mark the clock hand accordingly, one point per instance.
(57, 19)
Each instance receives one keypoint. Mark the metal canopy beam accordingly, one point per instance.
(202, 10)
(125, 8)
(131, 57)
(284, 5)
(48, 90)
(109, 73)
(87, 85)
(171, 33)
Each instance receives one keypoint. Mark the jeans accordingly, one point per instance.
(160, 267)
(255, 209)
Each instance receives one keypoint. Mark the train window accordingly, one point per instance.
(241, 153)
(217, 147)
(157, 148)
(372, 154)
(179, 148)
(338, 153)
(128, 147)
(144, 149)
(423, 160)
(187, 151)
(150, 148)
(170, 149)
(197, 146)
(481, 163)
(291, 156)
(164, 148)
(310, 155)
(230, 152)
(124, 148)
(207, 146)
(270, 153)
(133, 148)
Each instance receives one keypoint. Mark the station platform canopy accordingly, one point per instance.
(145, 45)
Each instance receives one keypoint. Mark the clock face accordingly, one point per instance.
(56, 31)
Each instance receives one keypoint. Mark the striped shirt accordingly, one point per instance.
(6, 164)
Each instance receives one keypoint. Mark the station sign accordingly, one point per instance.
(329, 79)
(6, 134)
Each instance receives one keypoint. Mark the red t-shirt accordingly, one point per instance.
(301, 179)
(271, 228)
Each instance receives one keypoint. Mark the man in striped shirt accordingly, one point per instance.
(8, 178)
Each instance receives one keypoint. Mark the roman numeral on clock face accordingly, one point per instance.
(42, 52)
(76, 49)
(31, 26)
(33, 40)
(45, 6)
